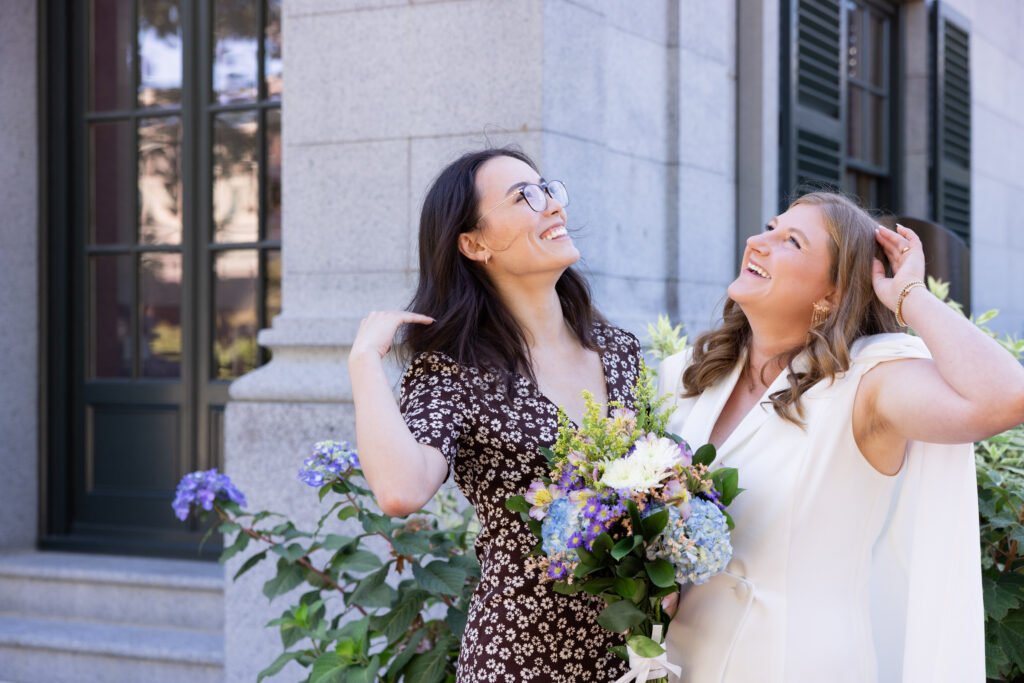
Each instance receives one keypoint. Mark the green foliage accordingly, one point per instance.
(665, 339)
(361, 617)
(1000, 468)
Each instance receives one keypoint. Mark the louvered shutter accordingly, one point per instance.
(813, 97)
(951, 164)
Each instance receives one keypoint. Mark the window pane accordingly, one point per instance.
(159, 53)
(877, 33)
(855, 124)
(855, 42)
(111, 180)
(273, 175)
(110, 285)
(235, 320)
(272, 290)
(160, 181)
(160, 314)
(878, 125)
(235, 177)
(111, 44)
(273, 62)
(235, 52)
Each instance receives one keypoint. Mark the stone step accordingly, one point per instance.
(47, 650)
(128, 590)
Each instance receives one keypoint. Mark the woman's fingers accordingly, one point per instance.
(377, 330)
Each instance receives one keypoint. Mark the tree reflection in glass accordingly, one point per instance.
(160, 314)
(160, 181)
(273, 57)
(273, 174)
(235, 177)
(110, 282)
(160, 53)
(236, 321)
(235, 49)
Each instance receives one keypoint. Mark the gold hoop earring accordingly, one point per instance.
(819, 314)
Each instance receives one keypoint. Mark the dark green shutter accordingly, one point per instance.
(951, 160)
(813, 97)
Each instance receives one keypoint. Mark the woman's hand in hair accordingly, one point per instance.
(377, 332)
(905, 252)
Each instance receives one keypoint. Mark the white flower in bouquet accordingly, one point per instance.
(645, 467)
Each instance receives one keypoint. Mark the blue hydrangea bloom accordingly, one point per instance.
(711, 550)
(330, 460)
(559, 527)
(202, 488)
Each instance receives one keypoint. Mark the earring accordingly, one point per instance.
(819, 314)
(487, 259)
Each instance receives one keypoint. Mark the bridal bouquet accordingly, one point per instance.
(627, 512)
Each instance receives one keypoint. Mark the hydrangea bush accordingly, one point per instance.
(362, 615)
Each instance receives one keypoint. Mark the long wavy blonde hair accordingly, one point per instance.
(857, 313)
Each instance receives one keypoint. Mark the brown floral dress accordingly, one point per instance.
(518, 628)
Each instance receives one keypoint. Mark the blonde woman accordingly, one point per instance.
(856, 554)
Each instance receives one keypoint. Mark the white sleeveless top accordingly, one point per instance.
(839, 573)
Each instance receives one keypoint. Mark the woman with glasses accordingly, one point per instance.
(842, 570)
(501, 332)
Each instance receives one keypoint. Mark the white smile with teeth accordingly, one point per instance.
(758, 270)
(554, 233)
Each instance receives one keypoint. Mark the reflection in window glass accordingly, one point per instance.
(876, 130)
(273, 62)
(235, 177)
(160, 314)
(272, 291)
(855, 123)
(110, 182)
(160, 53)
(878, 33)
(235, 50)
(160, 181)
(111, 51)
(235, 317)
(855, 42)
(273, 176)
(110, 283)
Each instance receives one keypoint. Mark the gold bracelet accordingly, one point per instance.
(899, 302)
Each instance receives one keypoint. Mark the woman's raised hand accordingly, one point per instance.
(906, 255)
(377, 332)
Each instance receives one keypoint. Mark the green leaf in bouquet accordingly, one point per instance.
(584, 568)
(535, 527)
(653, 524)
(549, 455)
(601, 548)
(664, 592)
(634, 516)
(728, 520)
(564, 588)
(620, 616)
(661, 572)
(598, 585)
(440, 577)
(619, 651)
(587, 557)
(644, 646)
(726, 480)
(628, 566)
(705, 455)
(518, 504)
(626, 588)
(625, 546)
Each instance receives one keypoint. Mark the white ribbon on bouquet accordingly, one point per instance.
(642, 668)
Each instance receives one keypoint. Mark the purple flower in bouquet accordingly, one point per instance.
(202, 488)
(330, 460)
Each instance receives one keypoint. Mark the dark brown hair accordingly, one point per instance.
(857, 313)
(471, 323)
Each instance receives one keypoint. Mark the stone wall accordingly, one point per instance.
(19, 289)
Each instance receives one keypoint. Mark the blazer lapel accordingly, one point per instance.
(708, 406)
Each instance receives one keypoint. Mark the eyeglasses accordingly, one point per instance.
(536, 196)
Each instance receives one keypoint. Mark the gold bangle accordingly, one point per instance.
(899, 301)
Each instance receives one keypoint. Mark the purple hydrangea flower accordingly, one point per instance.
(202, 488)
(330, 460)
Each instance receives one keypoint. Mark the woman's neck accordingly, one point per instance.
(539, 313)
(767, 342)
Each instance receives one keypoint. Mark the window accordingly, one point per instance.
(169, 250)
